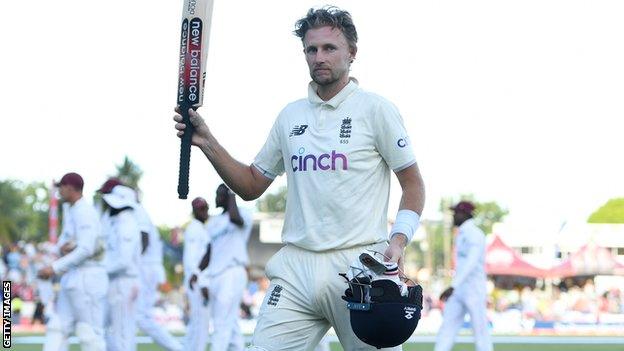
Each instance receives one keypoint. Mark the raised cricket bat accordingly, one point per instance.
(196, 18)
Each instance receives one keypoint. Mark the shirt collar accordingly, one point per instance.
(77, 203)
(334, 102)
(467, 223)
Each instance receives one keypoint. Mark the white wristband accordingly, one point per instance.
(406, 222)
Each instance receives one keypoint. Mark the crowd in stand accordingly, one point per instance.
(21, 260)
(561, 303)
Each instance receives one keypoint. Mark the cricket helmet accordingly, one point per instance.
(381, 314)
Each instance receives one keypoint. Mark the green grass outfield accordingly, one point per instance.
(414, 347)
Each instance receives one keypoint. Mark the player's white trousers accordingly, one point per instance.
(226, 293)
(304, 300)
(196, 338)
(121, 314)
(79, 308)
(474, 303)
(148, 295)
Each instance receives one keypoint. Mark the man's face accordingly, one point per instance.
(201, 213)
(459, 217)
(328, 54)
(221, 199)
(64, 191)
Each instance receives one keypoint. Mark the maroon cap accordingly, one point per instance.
(464, 206)
(199, 203)
(108, 185)
(73, 179)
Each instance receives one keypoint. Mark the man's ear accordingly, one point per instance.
(352, 53)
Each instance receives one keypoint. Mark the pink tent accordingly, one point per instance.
(500, 259)
(588, 260)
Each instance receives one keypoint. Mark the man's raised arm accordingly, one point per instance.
(244, 180)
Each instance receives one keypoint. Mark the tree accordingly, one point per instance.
(486, 213)
(36, 205)
(129, 173)
(273, 202)
(610, 212)
(23, 211)
(10, 202)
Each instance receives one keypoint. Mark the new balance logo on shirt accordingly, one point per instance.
(298, 130)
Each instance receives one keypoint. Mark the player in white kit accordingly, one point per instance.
(151, 274)
(122, 264)
(467, 292)
(196, 257)
(81, 301)
(337, 148)
(229, 233)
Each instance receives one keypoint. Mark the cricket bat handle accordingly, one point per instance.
(185, 153)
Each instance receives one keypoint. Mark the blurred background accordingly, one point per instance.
(558, 280)
(516, 106)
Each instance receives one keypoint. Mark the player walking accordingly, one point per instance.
(151, 274)
(196, 257)
(337, 148)
(81, 300)
(227, 274)
(122, 264)
(467, 292)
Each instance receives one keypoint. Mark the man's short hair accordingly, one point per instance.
(328, 16)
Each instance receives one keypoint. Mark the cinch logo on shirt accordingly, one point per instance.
(324, 162)
(403, 142)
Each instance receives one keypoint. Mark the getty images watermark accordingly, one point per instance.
(6, 314)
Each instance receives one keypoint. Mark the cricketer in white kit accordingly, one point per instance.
(337, 148)
(122, 264)
(195, 258)
(467, 293)
(229, 233)
(152, 274)
(81, 301)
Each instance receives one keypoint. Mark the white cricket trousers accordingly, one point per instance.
(196, 338)
(148, 295)
(304, 300)
(79, 308)
(456, 307)
(226, 294)
(121, 314)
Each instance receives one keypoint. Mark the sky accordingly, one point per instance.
(518, 102)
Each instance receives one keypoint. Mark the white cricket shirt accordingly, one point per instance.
(229, 242)
(154, 252)
(337, 155)
(470, 254)
(81, 226)
(123, 246)
(196, 240)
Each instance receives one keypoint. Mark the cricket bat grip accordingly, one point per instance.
(185, 153)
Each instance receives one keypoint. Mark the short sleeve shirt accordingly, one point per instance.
(229, 242)
(337, 156)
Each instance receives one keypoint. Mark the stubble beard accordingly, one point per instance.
(326, 80)
(333, 79)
